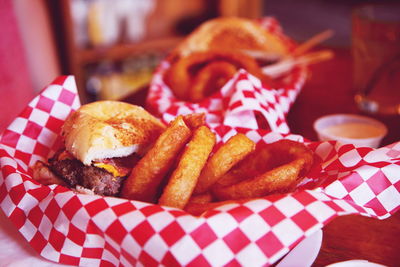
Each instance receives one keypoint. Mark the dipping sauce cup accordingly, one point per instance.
(350, 129)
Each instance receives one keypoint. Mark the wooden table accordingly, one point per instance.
(349, 237)
(329, 91)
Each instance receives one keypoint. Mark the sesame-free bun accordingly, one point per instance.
(231, 33)
(108, 129)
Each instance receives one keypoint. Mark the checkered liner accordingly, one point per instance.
(238, 102)
(78, 229)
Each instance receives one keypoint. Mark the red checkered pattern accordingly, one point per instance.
(88, 230)
(240, 100)
(34, 133)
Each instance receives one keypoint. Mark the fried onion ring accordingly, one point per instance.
(210, 78)
(191, 78)
(149, 172)
(181, 184)
(203, 198)
(227, 155)
(255, 163)
(194, 120)
(288, 162)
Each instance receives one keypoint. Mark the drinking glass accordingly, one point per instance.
(376, 57)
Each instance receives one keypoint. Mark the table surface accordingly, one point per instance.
(329, 90)
(347, 237)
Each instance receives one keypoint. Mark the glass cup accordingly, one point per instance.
(376, 57)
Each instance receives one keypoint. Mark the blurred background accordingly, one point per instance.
(112, 47)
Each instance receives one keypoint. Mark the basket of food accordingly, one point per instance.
(231, 66)
(197, 183)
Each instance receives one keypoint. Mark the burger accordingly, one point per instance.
(233, 34)
(102, 142)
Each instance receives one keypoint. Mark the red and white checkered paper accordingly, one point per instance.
(237, 102)
(77, 229)
(72, 228)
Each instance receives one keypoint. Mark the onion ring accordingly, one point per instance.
(149, 172)
(227, 155)
(203, 198)
(194, 120)
(191, 72)
(288, 163)
(210, 78)
(254, 164)
(181, 184)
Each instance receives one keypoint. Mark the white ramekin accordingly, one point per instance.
(321, 124)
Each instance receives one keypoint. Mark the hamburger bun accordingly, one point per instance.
(231, 33)
(109, 129)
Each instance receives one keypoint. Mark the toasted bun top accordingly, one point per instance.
(107, 129)
(231, 33)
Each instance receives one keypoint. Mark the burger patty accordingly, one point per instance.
(74, 173)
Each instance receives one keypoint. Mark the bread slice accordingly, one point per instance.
(231, 33)
(108, 129)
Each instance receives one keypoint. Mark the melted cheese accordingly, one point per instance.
(110, 168)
